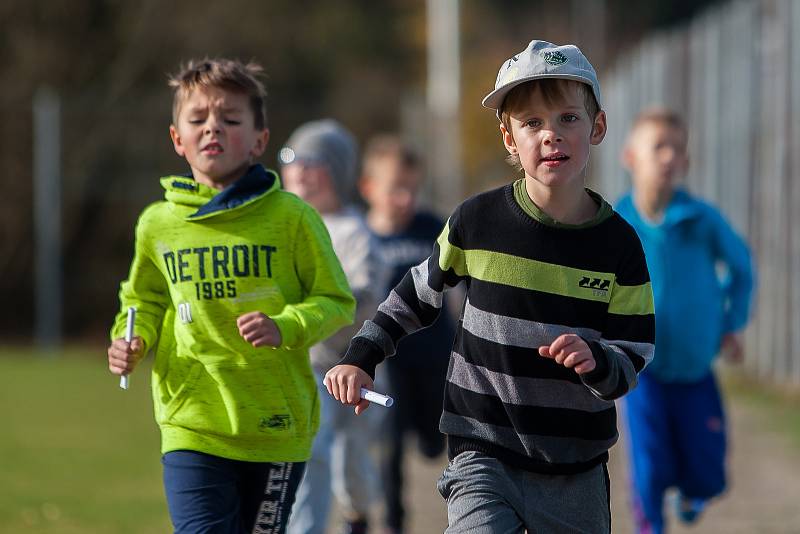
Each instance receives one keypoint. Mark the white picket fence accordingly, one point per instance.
(733, 72)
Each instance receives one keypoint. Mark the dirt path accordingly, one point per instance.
(764, 495)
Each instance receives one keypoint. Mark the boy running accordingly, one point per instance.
(558, 319)
(233, 280)
(319, 163)
(676, 424)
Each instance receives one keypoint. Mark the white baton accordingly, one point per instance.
(377, 398)
(123, 380)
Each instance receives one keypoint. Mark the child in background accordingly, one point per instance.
(390, 181)
(558, 319)
(233, 280)
(320, 165)
(675, 417)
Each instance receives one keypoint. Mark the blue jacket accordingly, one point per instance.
(702, 283)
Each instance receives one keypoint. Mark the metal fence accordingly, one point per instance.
(734, 74)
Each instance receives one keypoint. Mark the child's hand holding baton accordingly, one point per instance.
(351, 385)
(125, 353)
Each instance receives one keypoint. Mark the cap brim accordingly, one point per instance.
(495, 99)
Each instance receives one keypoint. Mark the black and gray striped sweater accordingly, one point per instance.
(528, 281)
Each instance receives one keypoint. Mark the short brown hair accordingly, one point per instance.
(383, 146)
(226, 74)
(553, 91)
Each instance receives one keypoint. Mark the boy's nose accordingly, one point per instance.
(552, 136)
(213, 124)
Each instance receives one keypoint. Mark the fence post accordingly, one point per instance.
(47, 218)
(794, 192)
(444, 101)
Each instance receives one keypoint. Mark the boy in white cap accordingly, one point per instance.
(320, 165)
(558, 319)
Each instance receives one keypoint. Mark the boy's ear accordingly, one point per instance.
(261, 143)
(599, 128)
(177, 143)
(508, 140)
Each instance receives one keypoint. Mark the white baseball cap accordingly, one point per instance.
(542, 60)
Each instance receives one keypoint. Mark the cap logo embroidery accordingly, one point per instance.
(554, 58)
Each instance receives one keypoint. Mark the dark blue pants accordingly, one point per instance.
(211, 495)
(676, 438)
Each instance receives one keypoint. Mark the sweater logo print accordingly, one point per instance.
(185, 312)
(214, 269)
(599, 286)
(276, 422)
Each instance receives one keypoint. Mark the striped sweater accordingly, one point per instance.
(529, 279)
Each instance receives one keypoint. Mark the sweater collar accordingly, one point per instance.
(604, 210)
(184, 190)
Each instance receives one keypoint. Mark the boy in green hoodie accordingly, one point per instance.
(233, 279)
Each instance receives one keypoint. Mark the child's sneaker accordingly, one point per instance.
(687, 510)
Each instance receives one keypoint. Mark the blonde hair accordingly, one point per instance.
(553, 91)
(225, 74)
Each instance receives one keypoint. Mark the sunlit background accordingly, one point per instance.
(99, 69)
(84, 116)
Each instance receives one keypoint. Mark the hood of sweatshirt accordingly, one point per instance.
(195, 201)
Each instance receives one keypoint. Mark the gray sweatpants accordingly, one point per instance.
(486, 496)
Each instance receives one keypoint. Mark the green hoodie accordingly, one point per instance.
(202, 259)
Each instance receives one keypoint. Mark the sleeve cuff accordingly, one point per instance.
(601, 368)
(148, 336)
(364, 354)
(288, 329)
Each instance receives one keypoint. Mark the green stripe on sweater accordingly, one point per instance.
(510, 270)
(506, 269)
(632, 300)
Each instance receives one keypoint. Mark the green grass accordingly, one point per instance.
(77, 453)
